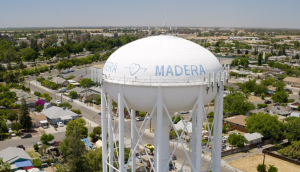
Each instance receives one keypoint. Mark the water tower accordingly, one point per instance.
(161, 75)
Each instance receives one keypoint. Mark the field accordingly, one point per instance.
(249, 163)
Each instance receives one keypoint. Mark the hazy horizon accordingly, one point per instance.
(134, 13)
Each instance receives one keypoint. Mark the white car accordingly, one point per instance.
(58, 102)
(65, 71)
(39, 144)
(60, 124)
(13, 134)
(71, 70)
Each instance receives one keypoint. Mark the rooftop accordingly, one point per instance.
(12, 154)
(253, 136)
(239, 119)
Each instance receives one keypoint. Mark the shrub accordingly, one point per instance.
(36, 147)
(263, 96)
(261, 168)
(272, 168)
(262, 106)
(78, 111)
(65, 104)
(142, 113)
(37, 93)
(93, 136)
(70, 86)
(237, 140)
(73, 94)
(291, 100)
(37, 163)
(39, 108)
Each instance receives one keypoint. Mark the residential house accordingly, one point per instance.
(295, 114)
(236, 87)
(294, 82)
(38, 120)
(60, 81)
(294, 106)
(56, 114)
(17, 158)
(237, 122)
(86, 94)
(253, 137)
(279, 110)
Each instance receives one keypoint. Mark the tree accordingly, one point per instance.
(46, 138)
(142, 113)
(25, 119)
(293, 130)
(72, 148)
(93, 137)
(259, 59)
(73, 94)
(244, 62)
(4, 167)
(40, 102)
(297, 56)
(280, 96)
(28, 54)
(97, 131)
(39, 108)
(86, 83)
(65, 104)
(37, 163)
(94, 160)
(236, 103)
(265, 124)
(70, 86)
(235, 62)
(237, 140)
(178, 118)
(260, 89)
(36, 147)
(77, 124)
(49, 51)
(291, 151)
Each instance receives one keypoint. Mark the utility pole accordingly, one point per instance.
(263, 168)
(61, 97)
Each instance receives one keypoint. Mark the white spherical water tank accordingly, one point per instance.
(178, 65)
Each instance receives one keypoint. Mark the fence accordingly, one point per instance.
(269, 151)
(246, 148)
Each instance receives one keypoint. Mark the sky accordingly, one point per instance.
(198, 13)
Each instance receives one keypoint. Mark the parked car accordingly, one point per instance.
(39, 144)
(185, 112)
(55, 125)
(99, 113)
(148, 145)
(71, 70)
(174, 156)
(21, 146)
(60, 124)
(65, 71)
(140, 119)
(45, 126)
(26, 136)
(70, 100)
(58, 102)
(55, 143)
(268, 101)
(62, 90)
(13, 134)
(44, 165)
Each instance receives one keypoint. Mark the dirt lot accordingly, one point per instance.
(249, 163)
(254, 98)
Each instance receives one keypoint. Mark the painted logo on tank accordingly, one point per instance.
(135, 68)
(178, 70)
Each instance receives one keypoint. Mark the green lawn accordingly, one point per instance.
(33, 154)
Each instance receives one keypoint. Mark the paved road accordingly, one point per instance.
(29, 142)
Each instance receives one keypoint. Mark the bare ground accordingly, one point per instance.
(249, 163)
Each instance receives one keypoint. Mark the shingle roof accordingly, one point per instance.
(38, 117)
(58, 80)
(12, 154)
(279, 110)
(55, 112)
(239, 119)
(292, 79)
